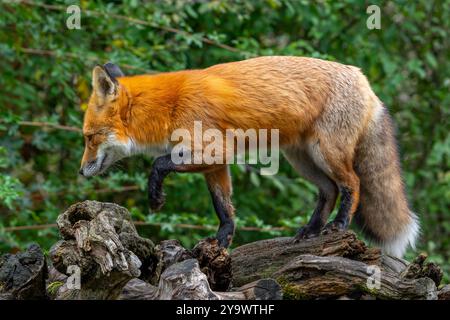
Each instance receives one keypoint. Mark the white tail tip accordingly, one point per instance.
(397, 246)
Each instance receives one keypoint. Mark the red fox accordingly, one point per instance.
(332, 127)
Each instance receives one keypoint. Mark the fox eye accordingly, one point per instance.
(89, 137)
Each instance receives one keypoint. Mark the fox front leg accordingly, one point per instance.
(162, 166)
(219, 186)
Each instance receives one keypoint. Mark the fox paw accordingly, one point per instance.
(225, 235)
(224, 241)
(334, 226)
(306, 232)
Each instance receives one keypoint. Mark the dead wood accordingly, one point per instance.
(261, 259)
(100, 242)
(185, 281)
(313, 277)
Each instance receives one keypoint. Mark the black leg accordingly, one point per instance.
(342, 219)
(328, 191)
(219, 186)
(316, 223)
(226, 226)
(161, 168)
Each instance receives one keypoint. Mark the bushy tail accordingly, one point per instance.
(383, 213)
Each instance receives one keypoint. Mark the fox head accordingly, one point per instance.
(104, 129)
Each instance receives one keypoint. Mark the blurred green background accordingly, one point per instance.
(45, 83)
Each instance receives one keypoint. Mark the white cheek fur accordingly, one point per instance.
(116, 150)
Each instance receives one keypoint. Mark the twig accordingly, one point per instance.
(49, 125)
(44, 124)
(32, 227)
(121, 189)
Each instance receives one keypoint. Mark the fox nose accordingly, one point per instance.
(81, 172)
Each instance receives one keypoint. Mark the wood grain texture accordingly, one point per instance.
(261, 259)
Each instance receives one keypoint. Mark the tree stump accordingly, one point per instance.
(101, 241)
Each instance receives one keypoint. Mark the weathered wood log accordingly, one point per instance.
(214, 261)
(180, 281)
(393, 264)
(137, 289)
(264, 289)
(261, 259)
(23, 275)
(101, 240)
(311, 277)
(185, 281)
(171, 252)
(332, 266)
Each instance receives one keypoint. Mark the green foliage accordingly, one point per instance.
(45, 77)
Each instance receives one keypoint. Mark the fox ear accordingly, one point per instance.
(103, 84)
(113, 70)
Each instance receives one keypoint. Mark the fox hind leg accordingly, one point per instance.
(338, 165)
(328, 190)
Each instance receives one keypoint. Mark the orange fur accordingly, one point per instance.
(234, 95)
